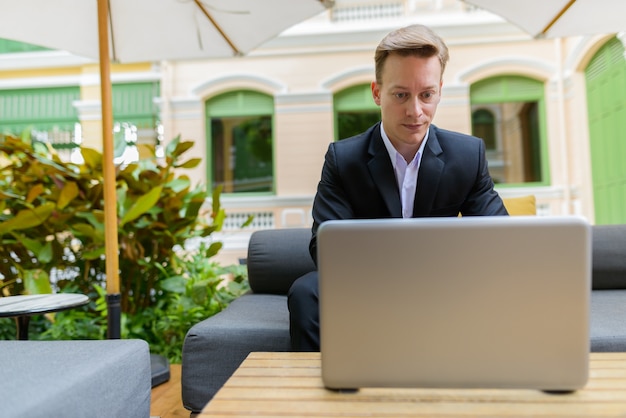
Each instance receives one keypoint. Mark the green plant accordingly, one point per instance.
(52, 238)
(193, 288)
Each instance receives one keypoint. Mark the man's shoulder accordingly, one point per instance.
(360, 138)
(452, 141)
(361, 141)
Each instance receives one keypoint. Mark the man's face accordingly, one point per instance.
(408, 97)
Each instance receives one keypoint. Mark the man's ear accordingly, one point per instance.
(376, 92)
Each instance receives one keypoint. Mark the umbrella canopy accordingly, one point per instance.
(154, 30)
(128, 31)
(560, 18)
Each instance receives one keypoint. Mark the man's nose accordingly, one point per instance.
(414, 107)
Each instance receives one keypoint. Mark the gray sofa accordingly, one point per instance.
(75, 379)
(259, 321)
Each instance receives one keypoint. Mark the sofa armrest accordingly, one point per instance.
(277, 257)
(609, 257)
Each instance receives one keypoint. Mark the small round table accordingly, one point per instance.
(22, 307)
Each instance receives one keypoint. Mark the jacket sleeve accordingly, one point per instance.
(331, 201)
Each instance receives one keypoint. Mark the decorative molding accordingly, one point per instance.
(303, 98)
(119, 77)
(41, 59)
(88, 109)
(39, 82)
(216, 85)
(185, 108)
(243, 202)
(526, 66)
(348, 77)
(76, 80)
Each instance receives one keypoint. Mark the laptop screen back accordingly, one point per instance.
(455, 302)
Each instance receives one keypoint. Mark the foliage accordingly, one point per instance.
(52, 239)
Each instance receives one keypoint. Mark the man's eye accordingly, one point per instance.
(400, 95)
(427, 95)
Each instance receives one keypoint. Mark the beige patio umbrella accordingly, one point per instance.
(128, 31)
(560, 18)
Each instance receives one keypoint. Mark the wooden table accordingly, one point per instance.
(22, 307)
(290, 385)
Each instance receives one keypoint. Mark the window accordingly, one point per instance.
(135, 119)
(240, 138)
(484, 126)
(47, 115)
(508, 114)
(355, 111)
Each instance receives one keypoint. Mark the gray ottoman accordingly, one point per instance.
(75, 379)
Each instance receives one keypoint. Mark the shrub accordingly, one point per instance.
(52, 239)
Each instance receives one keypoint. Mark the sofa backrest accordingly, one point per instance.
(277, 257)
(609, 257)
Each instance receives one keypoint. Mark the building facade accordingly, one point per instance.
(552, 112)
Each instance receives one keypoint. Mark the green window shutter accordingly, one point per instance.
(42, 109)
(240, 103)
(134, 103)
(606, 106)
(355, 111)
(506, 89)
(355, 98)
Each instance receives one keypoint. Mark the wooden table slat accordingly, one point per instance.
(289, 384)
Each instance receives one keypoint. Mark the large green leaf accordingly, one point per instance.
(192, 163)
(42, 251)
(175, 284)
(92, 158)
(171, 146)
(86, 230)
(36, 282)
(142, 205)
(214, 249)
(27, 218)
(68, 193)
(179, 184)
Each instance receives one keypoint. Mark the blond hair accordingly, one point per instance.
(417, 40)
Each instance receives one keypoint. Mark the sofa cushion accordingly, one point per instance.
(609, 257)
(215, 347)
(521, 206)
(277, 257)
(608, 327)
(104, 378)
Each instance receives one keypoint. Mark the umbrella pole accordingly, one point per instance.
(110, 198)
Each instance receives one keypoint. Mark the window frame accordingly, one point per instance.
(510, 88)
(355, 98)
(239, 103)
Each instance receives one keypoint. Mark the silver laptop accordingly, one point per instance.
(491, 302)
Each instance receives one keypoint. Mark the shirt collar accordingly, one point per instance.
(393, 153)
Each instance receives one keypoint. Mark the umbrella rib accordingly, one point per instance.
(219, 29)
(558, 16)
(110, 21)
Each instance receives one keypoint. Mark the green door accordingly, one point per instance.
(606, 96)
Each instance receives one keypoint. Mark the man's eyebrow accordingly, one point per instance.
(401, 87)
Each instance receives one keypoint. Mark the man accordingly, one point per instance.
(400, 167)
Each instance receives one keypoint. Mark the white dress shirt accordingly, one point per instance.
(406, 174)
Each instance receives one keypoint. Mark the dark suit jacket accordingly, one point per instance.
(358, 181)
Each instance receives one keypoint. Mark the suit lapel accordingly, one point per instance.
(430, 171)
(382, 173)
